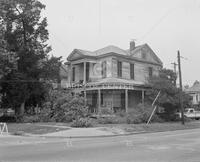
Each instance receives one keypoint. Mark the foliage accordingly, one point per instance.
(141, 114)
(111, 120)
(51, 68)
(106, 111)
(82, 122)
(64, 107)
(169, 97)
(23, 37)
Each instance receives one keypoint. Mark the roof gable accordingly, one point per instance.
(76, 54)
(194, 88)
(145, 53)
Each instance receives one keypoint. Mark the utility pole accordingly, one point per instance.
(180, 89)
(175, 65)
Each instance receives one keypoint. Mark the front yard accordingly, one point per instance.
(43, 128)
(35, 128)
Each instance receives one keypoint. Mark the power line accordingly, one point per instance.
(157, 23)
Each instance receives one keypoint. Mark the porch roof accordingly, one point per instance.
(117, 81)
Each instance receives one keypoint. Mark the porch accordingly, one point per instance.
(113, 100)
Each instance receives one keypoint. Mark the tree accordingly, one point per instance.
(169, 98)
(51, 69)
(25, 35)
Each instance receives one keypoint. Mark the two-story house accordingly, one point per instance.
(111, 77)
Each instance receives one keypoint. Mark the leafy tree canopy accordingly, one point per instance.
(169, 97)
(23, 33)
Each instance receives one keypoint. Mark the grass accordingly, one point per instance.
(43, 128)
(155, 127)
(36, 128)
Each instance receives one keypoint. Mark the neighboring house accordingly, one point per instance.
(111, 77)
(194, 92)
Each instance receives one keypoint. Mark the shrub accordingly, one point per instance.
(8, 119)
(141, 114)
(63, 107)
(121, 113)
(111, 120)
(106, 111)
(82, 122)
(31, 119)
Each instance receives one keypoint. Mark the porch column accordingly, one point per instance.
(126, 100)
(143, 95)
(70, 74)
(99, 100)
(85, 97)
(84, 73)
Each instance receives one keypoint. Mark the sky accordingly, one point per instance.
(166, 25)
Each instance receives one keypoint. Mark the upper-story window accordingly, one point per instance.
(73, 74)
(132, 71)
(104, 69)
(119, 69)
(150, 71)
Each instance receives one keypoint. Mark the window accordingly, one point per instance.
(73, 74)
(87, 71)
(150, 71)
(119, 69)
(103, 72)
(132, 71)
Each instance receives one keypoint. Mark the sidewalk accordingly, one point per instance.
(86, 132)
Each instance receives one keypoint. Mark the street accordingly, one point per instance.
(182, 145)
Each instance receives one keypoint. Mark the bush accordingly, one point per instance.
(64, 107)
(121, 113)
(82, 122)
(106, 111)
(8, 119)
(111, 120)
(141, 114)
(30, 119)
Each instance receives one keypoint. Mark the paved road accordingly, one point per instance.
(183, 146)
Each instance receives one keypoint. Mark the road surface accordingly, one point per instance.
(177, 146)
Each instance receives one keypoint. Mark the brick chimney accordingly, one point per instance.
(132, 45)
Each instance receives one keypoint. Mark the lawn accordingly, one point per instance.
(36, 128)
(43, 128)
(155, 127)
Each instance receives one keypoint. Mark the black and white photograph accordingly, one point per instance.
(99, 81)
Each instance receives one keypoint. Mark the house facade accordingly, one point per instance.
(194, 92)
(112, 78)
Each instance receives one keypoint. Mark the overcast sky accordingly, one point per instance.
(166, 25)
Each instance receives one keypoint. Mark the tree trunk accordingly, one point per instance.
(22, 107)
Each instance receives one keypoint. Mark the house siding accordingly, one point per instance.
(141, 70)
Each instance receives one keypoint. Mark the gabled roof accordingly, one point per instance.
(110, 49)
(194, 88)
(79, 53)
